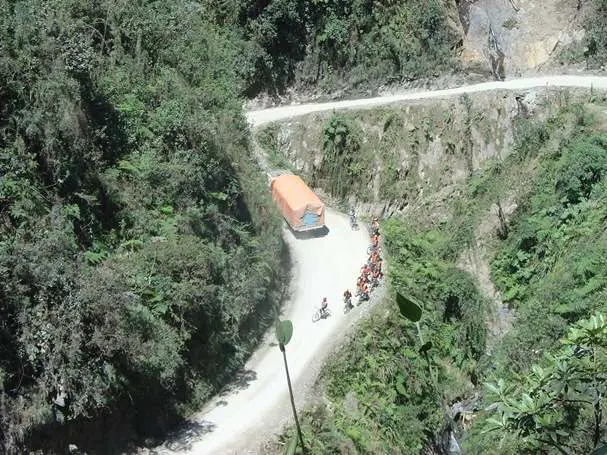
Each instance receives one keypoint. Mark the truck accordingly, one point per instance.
(300, 206)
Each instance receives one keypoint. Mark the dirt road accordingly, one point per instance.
(257, 404)
(257, 118)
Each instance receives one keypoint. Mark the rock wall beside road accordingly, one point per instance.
(518, 37)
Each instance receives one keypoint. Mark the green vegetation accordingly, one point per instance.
(552, 269)
(334, 43)
(342, 152)
(510, 23)
(354, 42)
(269, 141)
(596, 33)
(558, 404)
(139, 248)
(559, 236)
(331, 44)
(592, 50)
(539, 394)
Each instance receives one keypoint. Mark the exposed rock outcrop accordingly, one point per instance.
(518, 37)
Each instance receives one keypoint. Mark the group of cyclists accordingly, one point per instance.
(370, 272)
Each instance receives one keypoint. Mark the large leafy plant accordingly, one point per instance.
(561, 402)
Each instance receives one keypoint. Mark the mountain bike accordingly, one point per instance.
(321, 314)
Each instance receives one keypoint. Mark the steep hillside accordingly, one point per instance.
(343, 46)
(391, 159)
(139, 249)
(140, 254)
(518, 37)
(516, 218)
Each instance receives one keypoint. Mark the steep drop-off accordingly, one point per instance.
(513, 216)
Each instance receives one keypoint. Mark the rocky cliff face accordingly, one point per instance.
(518, 37)
(412, 155)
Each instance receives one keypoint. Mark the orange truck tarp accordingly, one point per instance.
(300, 206)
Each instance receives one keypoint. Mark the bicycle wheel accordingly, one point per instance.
(316, 316)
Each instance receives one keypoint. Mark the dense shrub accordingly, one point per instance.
(343, 43)
(138, 247)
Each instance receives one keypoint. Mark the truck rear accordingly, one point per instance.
(300, 206)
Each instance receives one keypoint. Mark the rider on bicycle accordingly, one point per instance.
(348, 299)
(324, 305)
(364, 291)
(347, 295)
(375, 226)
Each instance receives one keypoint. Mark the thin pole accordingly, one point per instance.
(419, 333)
(284, 356)
(421, 340)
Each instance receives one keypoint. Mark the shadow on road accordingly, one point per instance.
(189, 433)
(313, 234)
(242, 380)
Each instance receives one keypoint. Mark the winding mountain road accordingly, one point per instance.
(257, 405)
(260, 117)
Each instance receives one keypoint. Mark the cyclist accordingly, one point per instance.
(348, 300)
(364, 292)
(323, 306)
(353, 223)
(375, 226)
